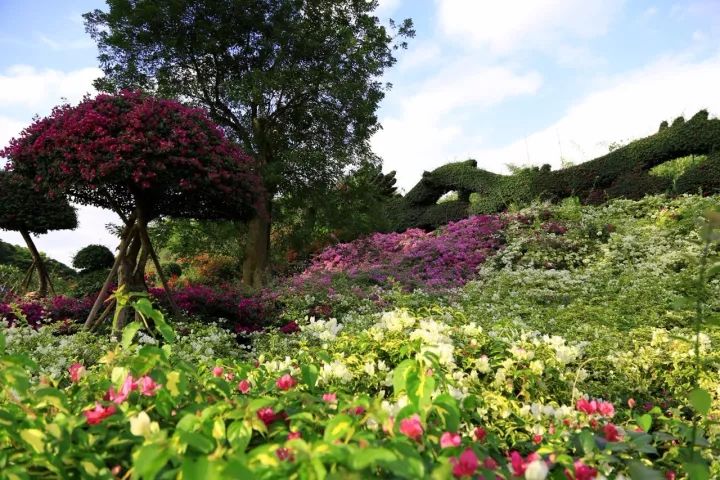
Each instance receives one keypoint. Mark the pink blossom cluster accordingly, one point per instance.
(445, 258)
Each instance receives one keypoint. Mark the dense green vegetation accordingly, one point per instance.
(630, 171)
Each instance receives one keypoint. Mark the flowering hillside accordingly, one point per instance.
(563, 342)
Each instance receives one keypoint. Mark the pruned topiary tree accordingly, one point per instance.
(142, 157)
(92, 258)
(29, 211)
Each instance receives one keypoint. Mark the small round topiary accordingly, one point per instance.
(92, 258)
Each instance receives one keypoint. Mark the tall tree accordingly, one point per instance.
(143, 158)
(26, 210)
(297, 82)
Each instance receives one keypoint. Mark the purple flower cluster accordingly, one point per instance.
(57, 309)
(442, 259)
(244, 314)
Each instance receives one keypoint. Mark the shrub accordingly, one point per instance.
(92, 258)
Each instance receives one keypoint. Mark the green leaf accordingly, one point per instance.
(338, 427)
(638, 471)
(401, 373)
(309, 375)
(447, 408)
(367, 457)
(149, 460)
(197, 441)
(587, 441)
(239, 434)
(644, 422)
(698, 470)
(129, 333)
(700, 400)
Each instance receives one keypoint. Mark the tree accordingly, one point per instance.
(295, 81)
(26, 210)
(92, 258)
(142, 157)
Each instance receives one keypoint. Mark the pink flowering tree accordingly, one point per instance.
(143, 158)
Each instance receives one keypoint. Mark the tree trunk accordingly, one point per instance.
(256, 264)
(39, 264)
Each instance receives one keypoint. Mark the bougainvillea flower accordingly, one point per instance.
(267, 415)
(411, 427)
(286, 382)
(77, 371)
(217, 371)
(582, 472)
(147, 386)
(520, 464)
(611, 433)
(294, 435)
(586, 406)
(99, 413)
(329, 397)
(243, 386)
(465, 465)
(606, 409)
(480, 434)
(448, 440)
(119, 397)
(284, 454)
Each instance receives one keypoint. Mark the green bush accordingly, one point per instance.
(93, 257)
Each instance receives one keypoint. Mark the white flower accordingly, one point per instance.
(536, 470)
(141, 426)
(482, 364)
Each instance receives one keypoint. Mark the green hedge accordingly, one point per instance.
(622, 173)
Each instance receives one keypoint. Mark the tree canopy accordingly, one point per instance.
(297, 82)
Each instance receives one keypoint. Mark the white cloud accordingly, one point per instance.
(510, 25)
(64, 45)
(28, 87)
(9, 128)
(630, 106)
(62, 244)
(428, 130)
(387, 7)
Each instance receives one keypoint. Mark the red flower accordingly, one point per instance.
(284, 454)
(480, 434)
(217, 371)
(611, 433)
(329, 397)
(465, 464)
(519, 465)
(449, 439)
(119, 397)
(537, 439)
(490, 463)
(411, 427)
(582, 472)
(294, 435)
(587, 406)
(286, 382)
(267, 415)
(77, 371)
(244, 386)
(98, 414)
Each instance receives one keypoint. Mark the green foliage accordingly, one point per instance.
(23, 208)
(20, 258)
(93, 257)
(646, 166)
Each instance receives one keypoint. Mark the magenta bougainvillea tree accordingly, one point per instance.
(25, 210)
(142, 157)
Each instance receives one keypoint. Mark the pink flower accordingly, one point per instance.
(537, 439)
(244, 386)
(631, 402)
(582, 471)
(359, 410)
(286, 382)
(329, 397)
(294, 435)
(465, 464)
(77, 371)
(519, 465)
(587, 406)
(490, 463)
(480, 434)
(147, 385)
(449, 439)
(229, 376)
(217, 371)
(611, 433)
(119, 397)
(411, 427)
(98, 414)
(267, 415)
(606, 409)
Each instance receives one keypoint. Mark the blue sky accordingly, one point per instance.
(512, 82)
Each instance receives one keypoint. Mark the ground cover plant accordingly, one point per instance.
(584, 346)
